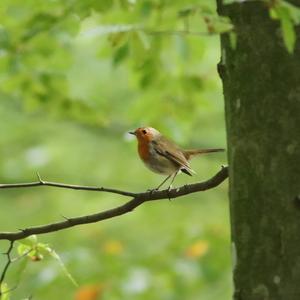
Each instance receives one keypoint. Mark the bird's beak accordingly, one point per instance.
(132, 132)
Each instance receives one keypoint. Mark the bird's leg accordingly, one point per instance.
(163, 182)
(157, 188)
(175, 174)
(170, 185)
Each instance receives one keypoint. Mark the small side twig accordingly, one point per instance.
(21, 256)
(39, 177)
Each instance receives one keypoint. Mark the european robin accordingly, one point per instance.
(163, 156)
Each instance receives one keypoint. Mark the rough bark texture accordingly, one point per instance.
(261, 82)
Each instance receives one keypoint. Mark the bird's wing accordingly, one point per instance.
(169, 150)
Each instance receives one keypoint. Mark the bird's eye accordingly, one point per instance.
(144, 131)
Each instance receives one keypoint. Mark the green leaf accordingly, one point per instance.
(20, 270)
(39, 23)
(23, 249)
(144, 39)
(30, 251)
(146, 8)
(219, 24)
(287, 27)
(103, 5)
(120, 54)
(139, 44)
(185, 12)
(116, 38)
(29, 241)
(191, 82)
(43, 248)
(4, 38)
(294, 11)
(5, 294)
(125, 4)
(273, 14)
(289, 35)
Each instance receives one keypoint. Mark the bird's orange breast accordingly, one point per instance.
(143, 149)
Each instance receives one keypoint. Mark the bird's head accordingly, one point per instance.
(145, 134)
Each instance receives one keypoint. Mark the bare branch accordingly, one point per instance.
(138, 199)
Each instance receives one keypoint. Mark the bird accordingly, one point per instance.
(163, 156)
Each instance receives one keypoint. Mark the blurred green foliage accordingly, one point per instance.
(75, 77)
(289, 17)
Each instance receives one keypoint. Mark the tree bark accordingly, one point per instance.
(261, 83)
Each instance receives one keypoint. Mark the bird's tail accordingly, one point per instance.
(190, 153)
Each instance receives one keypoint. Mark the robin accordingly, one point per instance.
(163, 156)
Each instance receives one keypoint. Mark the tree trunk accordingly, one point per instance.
(261, 83)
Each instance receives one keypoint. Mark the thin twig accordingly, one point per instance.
(9, 261)
(138, 199)
(65, 186)
(22, 255)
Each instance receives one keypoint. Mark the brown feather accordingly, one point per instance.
(192, 152)
(168, 149)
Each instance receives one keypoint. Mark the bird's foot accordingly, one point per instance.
(168, 191)
(151, 191)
